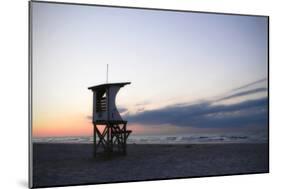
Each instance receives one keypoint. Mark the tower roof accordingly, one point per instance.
(106, 85)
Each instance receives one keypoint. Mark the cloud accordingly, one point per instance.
(249, 84)
(243, 93)
(122, 110)
(143, 103)
(207, 114)
(251, 112)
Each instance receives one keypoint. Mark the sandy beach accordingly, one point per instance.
(71, 164)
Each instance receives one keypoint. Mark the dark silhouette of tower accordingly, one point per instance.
(110, 130)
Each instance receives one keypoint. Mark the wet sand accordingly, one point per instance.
(71, 164)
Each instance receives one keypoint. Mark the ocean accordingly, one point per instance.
(167, 139)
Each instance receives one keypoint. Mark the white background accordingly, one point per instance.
(14, 93)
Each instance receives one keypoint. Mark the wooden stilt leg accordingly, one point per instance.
(95, 140)
(111, 139)
(108, 139)
(125, 139)
(114, 135)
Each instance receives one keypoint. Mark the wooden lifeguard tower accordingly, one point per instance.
(112, 132)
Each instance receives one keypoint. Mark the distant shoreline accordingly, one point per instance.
(166, 139)
(199, 143)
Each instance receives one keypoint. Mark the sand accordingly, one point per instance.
(71, 164)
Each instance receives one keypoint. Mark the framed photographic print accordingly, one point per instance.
(122, 94)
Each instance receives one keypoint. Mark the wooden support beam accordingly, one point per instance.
(114, 135)
(95, 140)
(108, 139)
(125, 139)
(102, 137)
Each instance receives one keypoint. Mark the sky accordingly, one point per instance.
(189, 72)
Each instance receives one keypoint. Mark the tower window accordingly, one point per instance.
(101, 101)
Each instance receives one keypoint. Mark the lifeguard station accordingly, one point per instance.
(110, 130)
